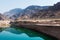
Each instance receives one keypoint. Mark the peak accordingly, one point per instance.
(16, 9)
(33, 6)
(58, 3)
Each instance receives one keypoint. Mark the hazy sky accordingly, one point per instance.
(6, 5)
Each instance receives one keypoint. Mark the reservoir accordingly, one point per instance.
(22, 34)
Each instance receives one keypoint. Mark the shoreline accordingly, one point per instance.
(53, 31)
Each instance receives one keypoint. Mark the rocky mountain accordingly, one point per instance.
(32, 10)
(56, 7)
(17, 12)
(14, 13)
(35, 12)
(3, 17)
(42, 11)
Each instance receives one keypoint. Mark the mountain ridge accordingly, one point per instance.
(34, 12)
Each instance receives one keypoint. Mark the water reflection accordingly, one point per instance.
(30, 33)
(16, 34)
(1, 29)
(21, 34)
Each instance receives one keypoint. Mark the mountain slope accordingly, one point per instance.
(32, 10)
(14, 13)
(35, 12)
(3, 17)
(27, 12)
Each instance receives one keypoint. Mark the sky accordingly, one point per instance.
(6, 5)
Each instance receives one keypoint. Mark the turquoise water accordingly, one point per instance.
(21, 34)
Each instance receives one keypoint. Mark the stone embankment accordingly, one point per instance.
(48, 27)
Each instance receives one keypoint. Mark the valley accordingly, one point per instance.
(42, 19)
